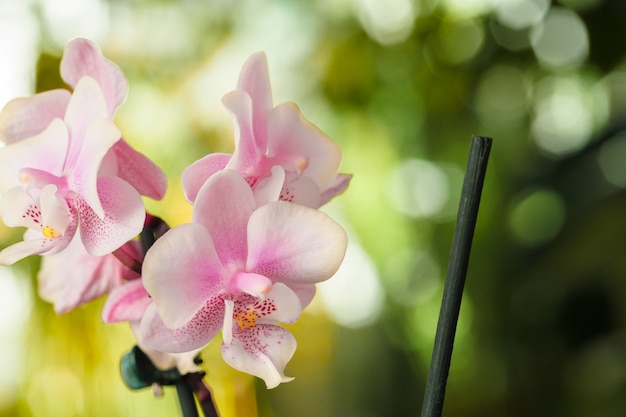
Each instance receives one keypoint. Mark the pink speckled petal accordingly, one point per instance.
(139, 171)
(294, 244)
(254, 80)
(223, 206)
(181, 272)
(83, 58)
(282, 305)
(196, 174)
(99, 138)
(124, 215)
(198, 332)
(262, 351)
(126, 302)
(19, 208)
(290, 134)
(45, 151)
(28, 116)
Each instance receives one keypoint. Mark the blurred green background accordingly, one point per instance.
(401, 85)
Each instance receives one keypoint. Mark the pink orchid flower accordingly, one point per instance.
(268, 136)
(66, 165)
(240, 268)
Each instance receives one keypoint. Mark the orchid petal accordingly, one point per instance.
(223, 206)
(282, 305)
(262, 351)
(86, 105)
(303, 191)
(196, 174)
(198, 332)
(54, 211)
(254, 284)
(28, 116)
(304, 292)
(83, 58)
(126, 302)
(99, 137)
(45, 151)
(89, 278)
(336, 187)
(294, 244)
(183, 361)
(290, 134)
(181, 272)
(269, 189)
(246, 155)
(124, 215)
(21, 250)
(227, 329)
(139, 171)
(19, 208)
(254, 79)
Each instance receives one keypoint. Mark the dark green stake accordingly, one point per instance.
(455, 277)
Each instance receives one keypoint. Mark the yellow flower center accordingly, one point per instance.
(247, 319)
(49, 232)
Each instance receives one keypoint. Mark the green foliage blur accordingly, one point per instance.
(401, 85)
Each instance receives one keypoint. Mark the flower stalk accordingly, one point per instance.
(455, 277)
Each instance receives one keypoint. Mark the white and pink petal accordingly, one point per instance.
(126, 302)
(262, 351)
(83, 58)
(290, 134)
(224, 205)
(24, 117)
(254, 80)
(181, 271)
(195, 334)
(124, 215)
(196, 174)
(294, 244)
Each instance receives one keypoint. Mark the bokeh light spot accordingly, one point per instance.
(561, 40)
(537, 217)
(353, 296)
(460, 41)
(387, 22)
(502, 95)
(413, 277)
(421, 189)
(611, 157)
(520, 14)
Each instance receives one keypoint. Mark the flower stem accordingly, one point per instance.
(455, 278)
(196, 383)
(186, 400)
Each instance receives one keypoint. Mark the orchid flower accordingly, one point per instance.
(65, 163)
(268, 136)
(240, 268)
